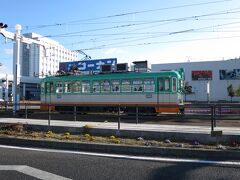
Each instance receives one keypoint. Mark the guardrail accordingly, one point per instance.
(206, 111)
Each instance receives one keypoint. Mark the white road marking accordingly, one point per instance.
(37, 173)
(146, 158)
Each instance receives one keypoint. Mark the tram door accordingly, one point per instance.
(164, 96)
(49, 89)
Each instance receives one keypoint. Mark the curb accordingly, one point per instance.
(203, 138)
(125, 149)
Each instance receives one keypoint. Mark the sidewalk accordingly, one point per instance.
(147, 131)
(177, 132)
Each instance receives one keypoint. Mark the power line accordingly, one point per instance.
(125, 14)
(229, 11)
(163, 42)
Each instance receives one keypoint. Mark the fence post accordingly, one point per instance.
(214, 115)
(136, 114)
(49, 114)
(26, 111)
(75, 113)
(212, 118)
(119, 117)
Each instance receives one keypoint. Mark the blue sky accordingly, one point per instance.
(130, 30)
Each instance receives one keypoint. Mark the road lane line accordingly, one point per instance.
(146, 158)
(30, 171)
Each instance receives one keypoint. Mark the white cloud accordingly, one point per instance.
(193, 51)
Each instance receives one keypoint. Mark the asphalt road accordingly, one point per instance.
(78, 166)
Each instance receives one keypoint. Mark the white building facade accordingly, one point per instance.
(37, 60)
(219, 75)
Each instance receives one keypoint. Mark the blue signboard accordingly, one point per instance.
(88, 65)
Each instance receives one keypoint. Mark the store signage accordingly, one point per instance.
(201, 75)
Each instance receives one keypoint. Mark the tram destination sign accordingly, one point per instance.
(87, 65)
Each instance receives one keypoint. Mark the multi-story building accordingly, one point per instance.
(37, 61)
(209, 79)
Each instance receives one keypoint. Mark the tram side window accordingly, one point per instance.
(115, 86)
(174, 84)
(96, 87)
(85, 86)
(42, 88)
(67, 87)
(48, 88)
(76, 87)
(161, 84)
(126, 87)
(167, 84)
(59, 87)
(137, 85)
(149, 85)
(105, 86)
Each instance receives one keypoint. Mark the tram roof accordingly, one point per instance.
(114, 76)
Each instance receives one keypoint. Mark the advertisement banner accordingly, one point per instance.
(86, 66)
(229, 74)
(201, 75)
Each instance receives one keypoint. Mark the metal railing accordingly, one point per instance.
(204, 112)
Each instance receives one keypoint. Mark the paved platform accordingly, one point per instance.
(178, 132)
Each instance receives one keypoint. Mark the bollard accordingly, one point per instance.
(214, 116)
(212, 119)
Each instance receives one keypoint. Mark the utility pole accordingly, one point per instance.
(18, 38)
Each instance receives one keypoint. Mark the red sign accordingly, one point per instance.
(201, 75)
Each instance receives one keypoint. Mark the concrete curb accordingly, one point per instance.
(124, 149)
(203, 138)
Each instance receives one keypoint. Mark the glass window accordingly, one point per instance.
(105, 86)
(174, 84)
(137, 85)
(126, 87)
(115, 85)
(149, 85)
(96, 87)
(48, 87)
(67, 87)
(167, 84)
(85, 86)
(42, 88)
(76, 87)
(161, 84)
(59, 87)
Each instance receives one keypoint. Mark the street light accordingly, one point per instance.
(2, 25)
(18, 38)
